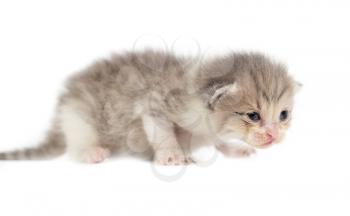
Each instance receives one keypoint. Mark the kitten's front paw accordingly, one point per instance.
(97, 155)
(171, 157)
(237, 151)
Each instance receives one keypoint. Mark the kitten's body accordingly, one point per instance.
(151, 102)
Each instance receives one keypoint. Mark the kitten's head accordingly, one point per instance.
(254, 100)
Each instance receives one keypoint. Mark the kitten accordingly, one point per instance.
(164, 106)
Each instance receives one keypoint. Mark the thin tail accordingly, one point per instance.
(53, 146)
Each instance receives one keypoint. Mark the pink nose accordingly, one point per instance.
(272, 134)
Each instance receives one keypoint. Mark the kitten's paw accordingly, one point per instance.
(97, 155)
(238, 151)
(171, 157)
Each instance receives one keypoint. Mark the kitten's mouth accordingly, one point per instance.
(265, 145)
(268, 143)
(261, 141)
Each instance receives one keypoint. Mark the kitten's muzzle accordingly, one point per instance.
(269, 136)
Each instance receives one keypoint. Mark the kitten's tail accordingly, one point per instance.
(52, 146)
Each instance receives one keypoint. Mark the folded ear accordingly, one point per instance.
(297, 87)
(221, 91)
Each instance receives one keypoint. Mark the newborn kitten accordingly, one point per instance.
(158, 104)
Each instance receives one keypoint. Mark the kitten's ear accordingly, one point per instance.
(297, 87)
(219, 92)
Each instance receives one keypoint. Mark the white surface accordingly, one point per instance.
(43, 42)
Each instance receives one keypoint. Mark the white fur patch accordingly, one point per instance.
(78, 133)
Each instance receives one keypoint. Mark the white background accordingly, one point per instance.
(43, 42)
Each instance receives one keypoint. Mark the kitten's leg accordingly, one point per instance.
(191, 143)
(81, 137)
(236, 149)
(161, 136)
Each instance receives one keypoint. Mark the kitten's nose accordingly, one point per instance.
(272, 133)
(270, 138)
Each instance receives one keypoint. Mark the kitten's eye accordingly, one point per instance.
(284, 115)
(254, 116)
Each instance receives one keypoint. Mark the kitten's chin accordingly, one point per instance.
(264, 145)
